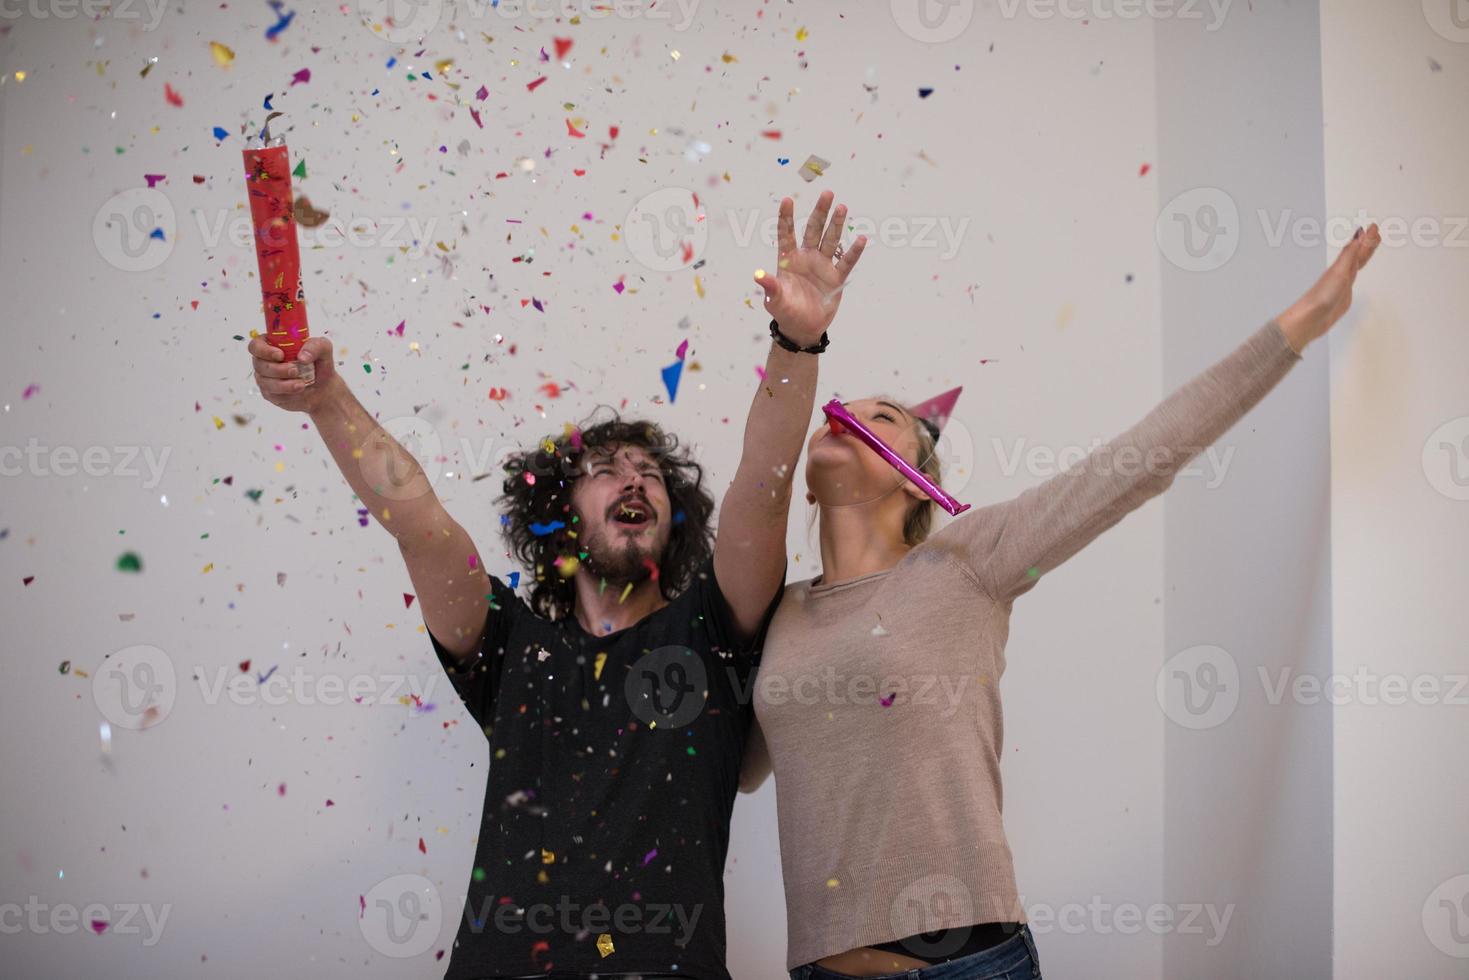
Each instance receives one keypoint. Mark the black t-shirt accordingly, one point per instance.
(614, 766)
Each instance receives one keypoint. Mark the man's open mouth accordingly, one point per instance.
(633, 514)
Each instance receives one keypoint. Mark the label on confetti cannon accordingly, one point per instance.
(272, 213)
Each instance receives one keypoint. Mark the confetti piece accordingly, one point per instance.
(598, 663)
(514, 578)
(563, 47)
(887, 702)
(300, 172)
(482, 94)
(222, 54)
(813, 167)
(27, 580)
(647, 858)
(219, 133)
(532, 86)
(283, 20)
(671, 374)
(924, 93)
(604, 945)
(129, 562)
(422, 847)
(281, 790)
(573, 132)
(683, 349)
(541, 530)
(65, 667)
(153, 179)
(301, 77)
(407, 600)
(173, 98)
(30, 390)
(244, 666)
(99, 926)
(1143, 170)
(802, 34)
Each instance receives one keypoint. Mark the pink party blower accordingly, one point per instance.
(839, 419)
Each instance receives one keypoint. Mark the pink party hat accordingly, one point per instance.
(936, 410)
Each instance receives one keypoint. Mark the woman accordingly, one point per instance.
(878, 699)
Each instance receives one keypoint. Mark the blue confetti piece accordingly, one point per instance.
(924, 93)
(514, 578)
(671, 375)
(541, 530)
(283, 20)
(267, 102)
(504, 520)
(220, 132)
(392, 61)
(782, 160)
(678, 517)
(158, 234)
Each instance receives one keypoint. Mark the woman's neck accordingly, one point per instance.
(859, 540)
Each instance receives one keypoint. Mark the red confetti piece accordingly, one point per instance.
(474, 114)
(423, 848)
(770, 134)
(551, 389)
(407, 600)
(244, 666)
(199, 178)
(612, 132)
(580, 173)
(1144, 169)
(330, 803)
(174, 99)
(563, 47)
(361, 906)
(532, 86)
(573, 132)
(499, 394)
(482, 94)
(281, 790)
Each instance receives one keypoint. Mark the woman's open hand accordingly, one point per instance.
(803, 293)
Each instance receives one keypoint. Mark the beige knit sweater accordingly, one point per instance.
(879, 700)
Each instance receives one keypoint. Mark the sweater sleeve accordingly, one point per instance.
(1009, 545)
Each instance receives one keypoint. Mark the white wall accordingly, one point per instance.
(1396, 145)
(1015, 212)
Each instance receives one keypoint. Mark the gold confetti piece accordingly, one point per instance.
(442, 246)
(604, 945)
(813, 167)
(759, 273)
(218, 422)
(547, 857)
(598, 664)
(728, 58)
(625, 590)
(20, 76)
(223, 56)
(802, 34)
(699, 286)
(1064, 317)
(443, 65)
(207, 569)
(674, 55)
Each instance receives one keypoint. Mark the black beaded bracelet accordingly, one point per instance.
(791, 345)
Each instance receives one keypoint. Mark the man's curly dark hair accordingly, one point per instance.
(556, 464)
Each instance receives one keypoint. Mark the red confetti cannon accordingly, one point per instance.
(272, 212)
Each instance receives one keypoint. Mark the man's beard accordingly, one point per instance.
(620, 561)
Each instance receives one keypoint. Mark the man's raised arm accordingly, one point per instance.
(442, 561)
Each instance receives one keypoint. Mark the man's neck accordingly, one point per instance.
(603, 606)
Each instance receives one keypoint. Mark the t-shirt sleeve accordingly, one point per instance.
(719, 621)
(477, 679)
(1009, 545)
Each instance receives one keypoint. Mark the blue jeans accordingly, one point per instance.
(1013, 959)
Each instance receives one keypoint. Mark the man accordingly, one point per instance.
(615, 701)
